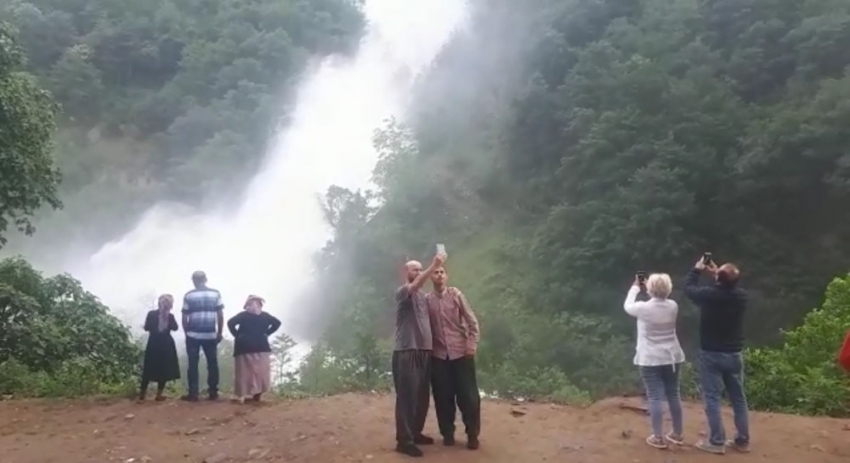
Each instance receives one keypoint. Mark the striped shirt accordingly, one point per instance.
(201, 307)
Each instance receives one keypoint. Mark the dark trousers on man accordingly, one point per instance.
(454, 382)
(193, 352)
(411, 376)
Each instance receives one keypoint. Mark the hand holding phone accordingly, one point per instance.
(706, 258)
(441, 248)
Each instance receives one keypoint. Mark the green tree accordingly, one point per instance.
(28, 176)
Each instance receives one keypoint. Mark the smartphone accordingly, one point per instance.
(641, 276)
(706, 258)
(441, 248)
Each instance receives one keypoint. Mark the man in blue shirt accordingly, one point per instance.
(203, 321)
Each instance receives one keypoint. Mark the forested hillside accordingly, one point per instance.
(558, 146)
(555, 146)
(166, 99)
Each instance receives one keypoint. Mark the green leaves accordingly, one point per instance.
(28, 177)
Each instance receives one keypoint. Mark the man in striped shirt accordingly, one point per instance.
(203, 321)
(455, 338)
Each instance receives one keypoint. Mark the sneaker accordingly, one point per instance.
(410, 450)
(189, 398)
(742, 448)
(656, 442)
(674, 439)
(472, 443)
(213, 396)
(711, 448)
(423, 440)
(449, 441)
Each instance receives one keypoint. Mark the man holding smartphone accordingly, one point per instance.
(456, 335)
(722, 306)
(411, 364)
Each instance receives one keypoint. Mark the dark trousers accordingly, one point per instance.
(454, 382)
(193, 351)
(411, 376)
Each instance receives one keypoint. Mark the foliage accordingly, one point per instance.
(54, 334)
(802, 375)
(556, 147)
(162, 99)
(28, 176)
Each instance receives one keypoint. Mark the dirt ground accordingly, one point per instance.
(359, 428)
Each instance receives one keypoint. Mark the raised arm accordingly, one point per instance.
(471, 323)
(693, 290)
(425, 275)
(631, 306)
(274, 324)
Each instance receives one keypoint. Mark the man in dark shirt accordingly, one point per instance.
(412, 358)
(722, 306)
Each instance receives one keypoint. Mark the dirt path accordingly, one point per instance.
(359, 428)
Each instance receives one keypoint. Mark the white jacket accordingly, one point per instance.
(657, 343)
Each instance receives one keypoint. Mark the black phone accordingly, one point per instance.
(706, 258)
(641, 276)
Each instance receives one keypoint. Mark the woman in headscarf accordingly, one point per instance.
(251, 350)
(161, 363)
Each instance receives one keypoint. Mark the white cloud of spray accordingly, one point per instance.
(267, 245)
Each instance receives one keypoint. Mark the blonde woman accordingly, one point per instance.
(251, 349)
(658, 354)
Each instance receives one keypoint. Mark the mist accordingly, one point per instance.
(266, 246)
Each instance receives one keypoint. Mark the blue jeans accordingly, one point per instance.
(662, 382)
(193, 351)
(716, 370)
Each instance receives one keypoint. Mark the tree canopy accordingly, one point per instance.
(28, 176)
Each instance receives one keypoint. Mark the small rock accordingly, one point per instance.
(258, 454)
(192, 432)
(146, 459)
(846, 427)
(369, 457)
(823, 434)
(129, 416)
(817, 448)
(518, 412)
(626, 433)
(129, 460)
(217, 458)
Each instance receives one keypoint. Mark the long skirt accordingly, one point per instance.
(253, 374)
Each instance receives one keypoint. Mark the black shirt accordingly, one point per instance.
(251, 332)
(722, 307)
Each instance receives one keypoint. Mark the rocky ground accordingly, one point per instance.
(359, 428)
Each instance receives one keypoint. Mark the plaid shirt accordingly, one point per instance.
(201, 307)
(454, 326)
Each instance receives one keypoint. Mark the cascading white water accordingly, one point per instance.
(267, 245)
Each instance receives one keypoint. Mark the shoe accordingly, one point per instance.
(189, 398)
(711, 448)
(160, 398)
(674, 439)
(655, 441)
(449, 441)
(742, 448)
(423, 440)
(410, 450)
(213, 396)
(472, 443)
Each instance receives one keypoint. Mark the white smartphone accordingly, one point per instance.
(441, 248)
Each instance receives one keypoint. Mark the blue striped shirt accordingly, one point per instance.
(201, 307)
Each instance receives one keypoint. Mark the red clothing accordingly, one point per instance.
(453, 325)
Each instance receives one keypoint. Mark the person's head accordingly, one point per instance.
(254, 304)
(659, 285)
(727, 275)
(199, 279)
(413, 268)
(165, 302)
(439, 278)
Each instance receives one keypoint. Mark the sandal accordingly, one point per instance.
(674, 439)
(655, 441)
